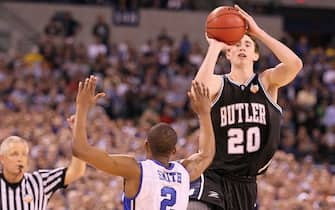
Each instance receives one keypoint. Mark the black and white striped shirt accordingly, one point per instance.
(33, 191)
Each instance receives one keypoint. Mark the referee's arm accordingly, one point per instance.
(77, 167)
(75, 170)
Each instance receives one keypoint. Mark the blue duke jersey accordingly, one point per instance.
(160, 188)
(246, 124)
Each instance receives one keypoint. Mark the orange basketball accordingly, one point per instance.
(225, 24)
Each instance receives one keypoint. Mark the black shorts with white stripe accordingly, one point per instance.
(225, 192)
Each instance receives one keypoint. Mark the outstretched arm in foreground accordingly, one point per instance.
(197, 163)
(117, 164)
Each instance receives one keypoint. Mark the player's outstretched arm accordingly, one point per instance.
(197, 163)
(206, 71)
(77, 167)
(290, 64)
(119, 165)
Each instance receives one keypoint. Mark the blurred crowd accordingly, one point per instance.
(177, 5)
(289, 184)
(146, 85)
(133, 4)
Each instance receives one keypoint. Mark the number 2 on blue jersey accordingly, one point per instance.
(170, 197)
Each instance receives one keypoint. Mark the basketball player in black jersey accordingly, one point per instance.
(246, 119)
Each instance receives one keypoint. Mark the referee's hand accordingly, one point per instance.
(70, 121)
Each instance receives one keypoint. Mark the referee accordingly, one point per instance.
(30, 191)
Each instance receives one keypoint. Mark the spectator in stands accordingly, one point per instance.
(53, 28)
(71, 26)
(101, 30)
(97, 49)
(302, 47)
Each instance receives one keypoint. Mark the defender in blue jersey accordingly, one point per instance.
(245, 117)
(156, 183)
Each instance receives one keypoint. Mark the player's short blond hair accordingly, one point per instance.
(5, 145)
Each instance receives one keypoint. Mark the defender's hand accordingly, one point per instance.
(199, 97)
(70, 121)
(86, 96)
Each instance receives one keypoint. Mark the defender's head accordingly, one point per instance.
(161, 141)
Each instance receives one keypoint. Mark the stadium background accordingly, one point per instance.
(145, 54)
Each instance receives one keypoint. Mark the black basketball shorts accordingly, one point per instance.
(227, 192)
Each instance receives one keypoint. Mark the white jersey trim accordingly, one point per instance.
(219, 93)
(202, 182)
(171, 166)
(139, 186)
(264, 167)
(246, 83)
(269, 97)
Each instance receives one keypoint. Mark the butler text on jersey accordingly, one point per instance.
(243, 113)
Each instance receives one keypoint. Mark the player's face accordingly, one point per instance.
(16, 158)
(243, 51)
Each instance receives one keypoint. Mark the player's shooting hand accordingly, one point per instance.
(70, 121)
(217, 44)
(199, 97)
(86, 96)
(253, 28)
